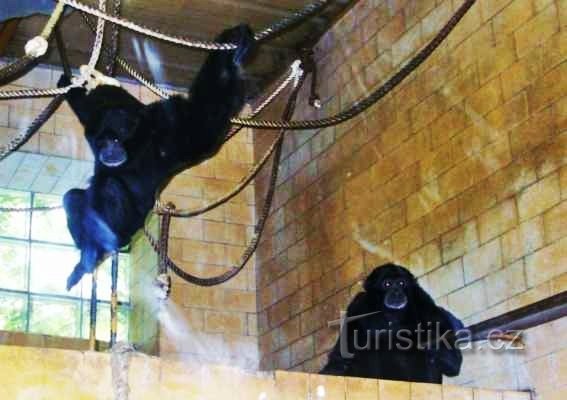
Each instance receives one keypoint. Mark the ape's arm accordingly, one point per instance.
(77, 99)
(448, 359)
(216, 95)
(342, 355)
(445, 354)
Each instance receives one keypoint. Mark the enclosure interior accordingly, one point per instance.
(459, 174)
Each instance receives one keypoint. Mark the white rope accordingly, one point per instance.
(120, 363)
(207, 45)
(99, 36)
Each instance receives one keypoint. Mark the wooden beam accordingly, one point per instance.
(7, 31)
(530, 316)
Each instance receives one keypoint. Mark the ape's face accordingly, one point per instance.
(392, 285)
(112, 133)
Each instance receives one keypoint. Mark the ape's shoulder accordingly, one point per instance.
(360, 304)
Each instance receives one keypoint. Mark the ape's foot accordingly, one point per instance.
(243, 37)
(75, 276)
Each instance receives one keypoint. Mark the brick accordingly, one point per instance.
(434, 21)
(279, 313)
(459, 241)
(393, 390)
(425, 391)
(496, 58)
(491, 7)
(469, 24)
(332, 387)
(389, 221)
(451, 392)
(547, 263)
(522, 74)
(485, 99)
(509, 114)
(225, 322)
(497, 220)
(410, 93)
(350, 272)
(240, 300)
(539, 197)
(289, 332)
(537, 30)
(513, 16)
(361, 389)
(446, 279)
(523, 240)
(537, 129)
(448, 125)
(428, 110)
(390, 33)
(475, 168)
(407, 44)
(441, 220)
(302, 350)
(482, 261)
(466, 53)
(462, 86)
(407, 239)
(424, 259)
(505, 283)
(548, 88)
(554, 222)
(468, 300)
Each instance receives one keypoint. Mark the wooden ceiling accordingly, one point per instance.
(199, 19)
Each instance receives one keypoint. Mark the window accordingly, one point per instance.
(36, 256)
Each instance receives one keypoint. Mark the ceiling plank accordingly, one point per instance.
(7, 32)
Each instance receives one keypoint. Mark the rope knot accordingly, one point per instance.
(90, 78)
(36, 47)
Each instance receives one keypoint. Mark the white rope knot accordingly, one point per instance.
(36, 47)
(90, 78)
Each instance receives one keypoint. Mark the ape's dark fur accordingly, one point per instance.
(402, 305)
(139, 147)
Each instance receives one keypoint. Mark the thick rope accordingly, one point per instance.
(110, 61)
(95, 54)
(125, 65)
(363, 104)
(120, 365)
(288, 113)
(19, 140)
(267, 33)
(378, 94)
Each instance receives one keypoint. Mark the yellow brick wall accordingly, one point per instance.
(224, 316)
(459, 173)
(58, 374)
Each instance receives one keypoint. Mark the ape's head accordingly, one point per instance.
(110, 139)
(392, 287)
(114, 120)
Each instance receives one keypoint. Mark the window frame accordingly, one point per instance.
(81, 300)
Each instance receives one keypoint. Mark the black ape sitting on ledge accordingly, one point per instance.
(393, 330)
(139, 147)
